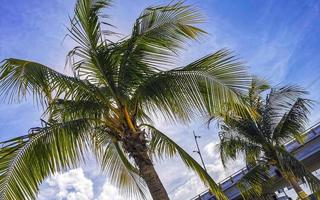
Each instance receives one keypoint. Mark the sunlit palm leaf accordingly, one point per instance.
(26, 161)
(254, 98)
(157, 35)
(93, 60)
(202, 87)
(18, 78)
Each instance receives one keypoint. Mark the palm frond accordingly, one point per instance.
(18, 78)
(94, 59)
(86, 25)
(158, 34)
(245, 127)
(230, 147)
(203, 87)
(27, 160)
(65, 110)
(278, 102)
(161, 145)
(225, 79)
(294, 122)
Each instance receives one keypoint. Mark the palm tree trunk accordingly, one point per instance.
(294, 183)
(135, 145)
(149, 174)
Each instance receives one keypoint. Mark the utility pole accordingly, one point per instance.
(198, 150)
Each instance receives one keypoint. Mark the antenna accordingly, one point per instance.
(196, 137)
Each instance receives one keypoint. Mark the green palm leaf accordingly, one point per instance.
(232, 146)
(93, 59)
(20, 77)
(27, 160)
(156, 37)
(64, 110)
(279, 102)
(202, 87)
(294, 122)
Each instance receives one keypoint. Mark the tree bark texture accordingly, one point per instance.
(294, 183)
(135, 145)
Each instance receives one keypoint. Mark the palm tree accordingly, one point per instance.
(259, 138)
(106, 106)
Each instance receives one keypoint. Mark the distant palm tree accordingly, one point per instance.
(106, 106)
(259, 137)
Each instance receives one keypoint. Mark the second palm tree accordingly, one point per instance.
(260, 134)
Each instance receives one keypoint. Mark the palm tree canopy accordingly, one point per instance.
(259, 137)
(116, 86)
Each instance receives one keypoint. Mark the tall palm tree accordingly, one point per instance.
(259, 138)
(105, 107)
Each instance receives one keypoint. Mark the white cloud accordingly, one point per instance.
(109, 192)
(72, 185)
(210, 149)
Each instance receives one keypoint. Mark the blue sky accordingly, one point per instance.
(278, 39)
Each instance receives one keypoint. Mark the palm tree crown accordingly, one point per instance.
(105, 106)
(259, 136)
